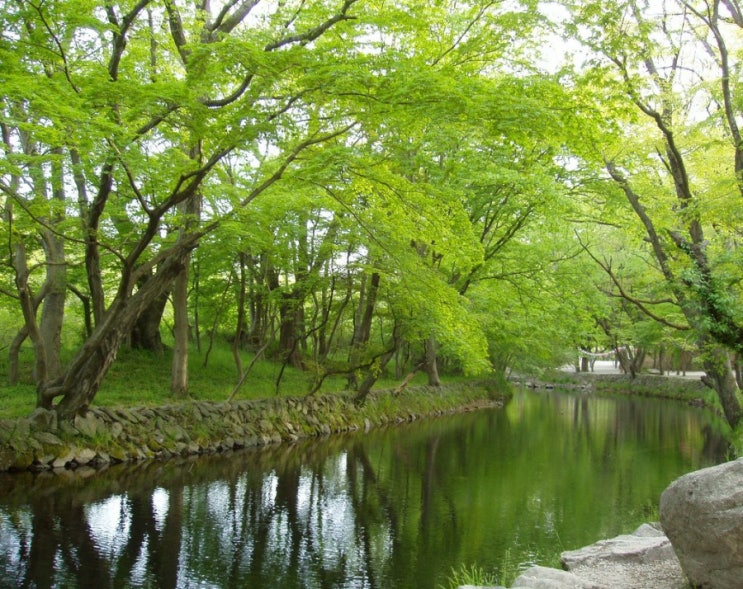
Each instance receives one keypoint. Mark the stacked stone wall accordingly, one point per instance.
(107, 435)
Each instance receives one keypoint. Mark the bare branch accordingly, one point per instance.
(640, 304)
(225, 24)
(653, 236)
(463, 34)
(120, 30)
(176, 30)
(239, 91)
(312, 34)
(58, 43)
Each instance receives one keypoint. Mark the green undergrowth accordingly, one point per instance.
(140, 378)
(473, 576)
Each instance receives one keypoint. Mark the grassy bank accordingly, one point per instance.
(686, 390)
(142, 379)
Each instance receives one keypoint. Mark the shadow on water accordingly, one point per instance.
(399, 507)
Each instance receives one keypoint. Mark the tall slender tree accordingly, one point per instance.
(666, 77)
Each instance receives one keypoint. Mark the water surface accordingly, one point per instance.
(393, 508)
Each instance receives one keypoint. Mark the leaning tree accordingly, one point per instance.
(114, 118)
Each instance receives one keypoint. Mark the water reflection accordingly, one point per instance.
(393, 508)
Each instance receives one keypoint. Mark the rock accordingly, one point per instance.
(67, 429)
(116, 429)
(63, 458)
(102, 458)
(117, 454)
(649, 530)
(702, 515)
(89, 425)
(44, 419)
(48, 439)
(20, 460)
(7, 458)
(175, 432)
(539, 577)
(84, 456)
(642, 560)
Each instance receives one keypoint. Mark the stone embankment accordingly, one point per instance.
(106, 435)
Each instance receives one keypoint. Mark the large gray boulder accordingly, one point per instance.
(702, 515)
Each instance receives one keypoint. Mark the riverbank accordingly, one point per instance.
(108, 435)
(688, 388)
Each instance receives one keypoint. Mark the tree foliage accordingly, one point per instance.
(673, 164)
(346, 183)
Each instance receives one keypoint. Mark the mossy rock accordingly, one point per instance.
(48, 439)
(154, 445)
(117, 453)
(63, 456)
(89, 425)
(7, 457)
(20, 460)
(43, 419)
(174, 432)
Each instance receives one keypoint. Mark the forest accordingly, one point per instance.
(365, 187)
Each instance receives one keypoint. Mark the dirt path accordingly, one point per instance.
(609, 367)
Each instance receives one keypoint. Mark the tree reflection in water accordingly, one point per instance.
(393, 508)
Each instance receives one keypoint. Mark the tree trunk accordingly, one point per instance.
(362, 328)
(53, 307)
(237, 343)
(14, 356)
(408, 379)
(289, 330)
(82, 377)
(28, 308)
(195, 305)
(373, 373)
(372, 376)
(87, 309)
(190, 208)
(179, 368)
(431, 366)
(83, 381)
(145, 334)
(720, 377)
(258, 306)
(638, 360)
(631, 360)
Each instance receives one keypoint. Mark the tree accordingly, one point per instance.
(671, 64)
(119, 100)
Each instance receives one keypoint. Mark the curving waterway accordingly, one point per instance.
(394, 508)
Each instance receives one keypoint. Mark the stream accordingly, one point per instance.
(397, 507)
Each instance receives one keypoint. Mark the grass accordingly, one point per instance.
(140, 378)
(17, 401)
(472, 575)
